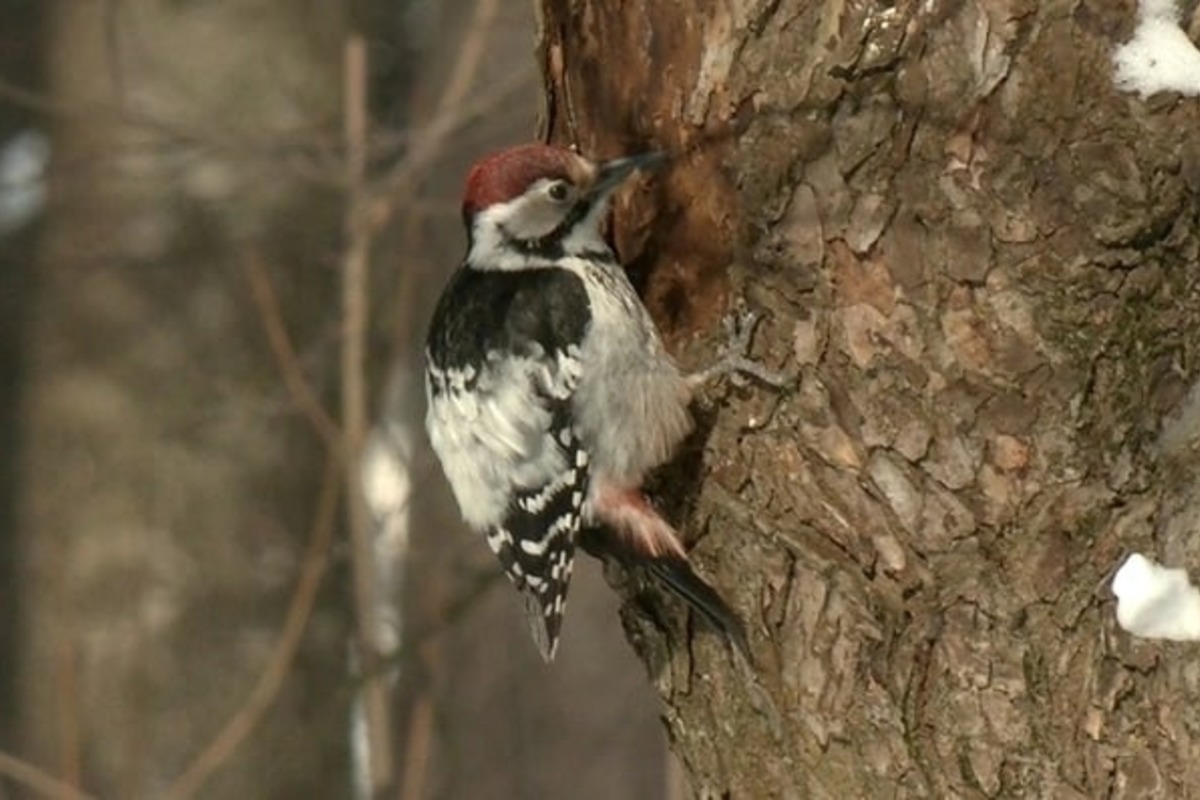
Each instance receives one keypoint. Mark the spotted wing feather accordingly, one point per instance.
(536, 541)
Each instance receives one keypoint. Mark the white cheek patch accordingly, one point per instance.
(527, 219)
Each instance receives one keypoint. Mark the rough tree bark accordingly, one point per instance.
(981, 258)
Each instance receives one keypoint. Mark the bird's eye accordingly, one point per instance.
(558, 191)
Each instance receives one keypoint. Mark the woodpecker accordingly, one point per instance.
(550, 393)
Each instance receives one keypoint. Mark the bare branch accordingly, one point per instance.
(355, 283)
(263, 695)
(454, 110)
(112, 45)
(44, 784)
(302, 151)
(416, 759)
(263, 293)
(470, 54)
(70, 745)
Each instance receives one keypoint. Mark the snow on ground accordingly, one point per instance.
(1159, 57)
(1156, 602)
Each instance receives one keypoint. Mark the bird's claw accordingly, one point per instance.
(735, 361)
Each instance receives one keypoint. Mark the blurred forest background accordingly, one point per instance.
(222, 227)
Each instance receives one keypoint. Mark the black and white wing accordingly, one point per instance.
(501, 375)
(536, 542)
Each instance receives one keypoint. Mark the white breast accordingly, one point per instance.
(631, 405)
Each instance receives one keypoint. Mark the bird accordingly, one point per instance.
(550, 393)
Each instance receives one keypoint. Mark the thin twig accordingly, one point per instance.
(416, 757)
(470, 55)
(70, 739)
(394, 194)
(263, 695)
(112, 46)
(39, 781)
(425, 144)
(267, 302)
(452, 109)
(472, 588)
(355, 285)
(300, 149)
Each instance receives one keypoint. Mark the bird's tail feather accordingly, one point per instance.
(544, 624)
(677, 576)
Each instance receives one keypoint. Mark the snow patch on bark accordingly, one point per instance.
(1156, 602)
(1159, 57)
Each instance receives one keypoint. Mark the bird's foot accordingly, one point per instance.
(735, 359)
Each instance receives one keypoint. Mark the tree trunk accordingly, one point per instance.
(981, 259)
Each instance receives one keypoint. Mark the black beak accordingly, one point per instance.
(612, 174)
